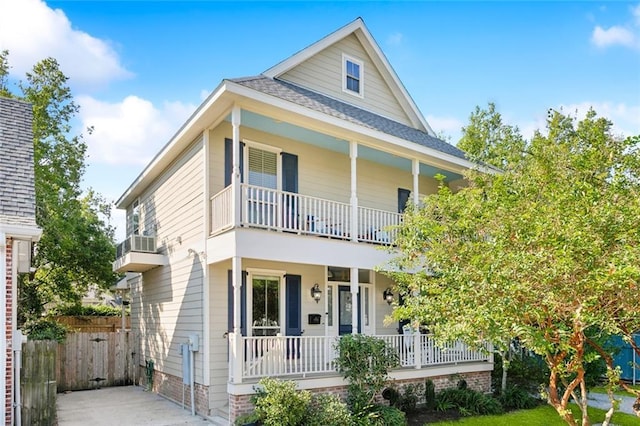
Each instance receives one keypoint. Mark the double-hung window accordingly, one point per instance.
(352, 75)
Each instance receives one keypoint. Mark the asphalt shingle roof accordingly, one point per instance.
(17, 191)
(335, 108)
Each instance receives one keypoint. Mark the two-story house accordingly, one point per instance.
(258, 228)
(18, 230)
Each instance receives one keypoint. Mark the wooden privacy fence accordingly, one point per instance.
(38, 382)
(93, 324)
(95, 360)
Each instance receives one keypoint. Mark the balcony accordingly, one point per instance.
(307, 356)
(302, 214)
(137, 253)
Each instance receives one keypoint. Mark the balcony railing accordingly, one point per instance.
(291, 212)
(301, 356)
(136, 243)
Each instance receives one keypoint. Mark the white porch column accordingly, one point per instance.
(415, 170)
(354, 301)
(206, 314)
(235, 170)
(237, 356)
(353, 154)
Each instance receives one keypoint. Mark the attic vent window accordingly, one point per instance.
(353, 73)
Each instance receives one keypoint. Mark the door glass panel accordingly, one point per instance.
(266, 306)
(346, 306)
(364, 277)
(330, 306)
(335, 273)
(366, 306)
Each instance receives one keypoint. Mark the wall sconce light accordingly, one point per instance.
(316, 292)
(387, 296)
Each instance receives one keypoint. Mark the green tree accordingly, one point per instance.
(76, 247)
(543, 251)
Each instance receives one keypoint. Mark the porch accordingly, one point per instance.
(283, 211)
(295, 357)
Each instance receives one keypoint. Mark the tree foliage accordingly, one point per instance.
(76, 247)
(546, 251)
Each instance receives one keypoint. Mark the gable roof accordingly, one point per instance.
(344, 111)
(17, 181)
(359, 29)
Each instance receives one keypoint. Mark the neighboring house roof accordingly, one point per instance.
(342, 110)
(17, 191)
(359, 29)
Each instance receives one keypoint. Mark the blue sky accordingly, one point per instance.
(138, 69)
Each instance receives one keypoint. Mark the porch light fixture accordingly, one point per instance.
(316, 292)
(387, 296)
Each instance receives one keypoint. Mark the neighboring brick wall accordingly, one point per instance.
(480, 381)
(171, 387)
(8, 374)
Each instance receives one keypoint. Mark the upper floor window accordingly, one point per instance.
(135, 218)
(263, 168)
(352, 75)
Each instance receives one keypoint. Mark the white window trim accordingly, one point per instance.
(346, 58)
(249, 143)
(270, 273)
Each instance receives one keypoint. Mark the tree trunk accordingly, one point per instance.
(505, 368)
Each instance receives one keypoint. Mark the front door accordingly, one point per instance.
(345, 310)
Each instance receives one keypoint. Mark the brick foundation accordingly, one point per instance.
(8, 335)
(171, 387)
(479, 381)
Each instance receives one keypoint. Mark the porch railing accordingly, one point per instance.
(291, 212)
(310, 355)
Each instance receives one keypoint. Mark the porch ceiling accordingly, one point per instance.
(291, 131)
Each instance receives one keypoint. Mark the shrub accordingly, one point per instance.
(45, 329)
(514, 398)
(278, 403)
(384, 415)
(88, 310)
(468, 401)
(364, 362)
(247, 419)
(526, 371)
(429, 394)
(392, 395)
(410, 396)
(327, 410)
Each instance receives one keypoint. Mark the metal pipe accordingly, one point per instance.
(193, 381)
(17, 364)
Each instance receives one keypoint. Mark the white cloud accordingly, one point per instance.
(32, 31)
(624, 35)
(131, 131)
(612, 36)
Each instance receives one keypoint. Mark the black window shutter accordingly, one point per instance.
(289, 172)
(228, 161)
(403, 198)
(293, 321)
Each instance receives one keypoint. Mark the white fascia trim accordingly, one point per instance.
(376, 134)
(314, 48)
(20, 232)
(175, 140)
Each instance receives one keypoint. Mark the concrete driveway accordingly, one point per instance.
(125, 405)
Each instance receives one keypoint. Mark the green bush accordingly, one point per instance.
(364, 362)
(429, 394)
(514, 398)
(278, 403)
(45, 329)
(88, 310)
(468, 401)
(247, 419)
(383, 415)
(526, 371)
(327, 410)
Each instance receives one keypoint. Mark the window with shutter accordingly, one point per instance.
(263, 168)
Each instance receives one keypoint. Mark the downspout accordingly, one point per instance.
(3, 317)
(17, 335)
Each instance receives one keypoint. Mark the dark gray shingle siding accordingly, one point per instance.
(17, 191)
(335, 108)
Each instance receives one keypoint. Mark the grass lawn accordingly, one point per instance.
(544, 415)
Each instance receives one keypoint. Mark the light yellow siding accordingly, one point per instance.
(171, 307)
(323, 73)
